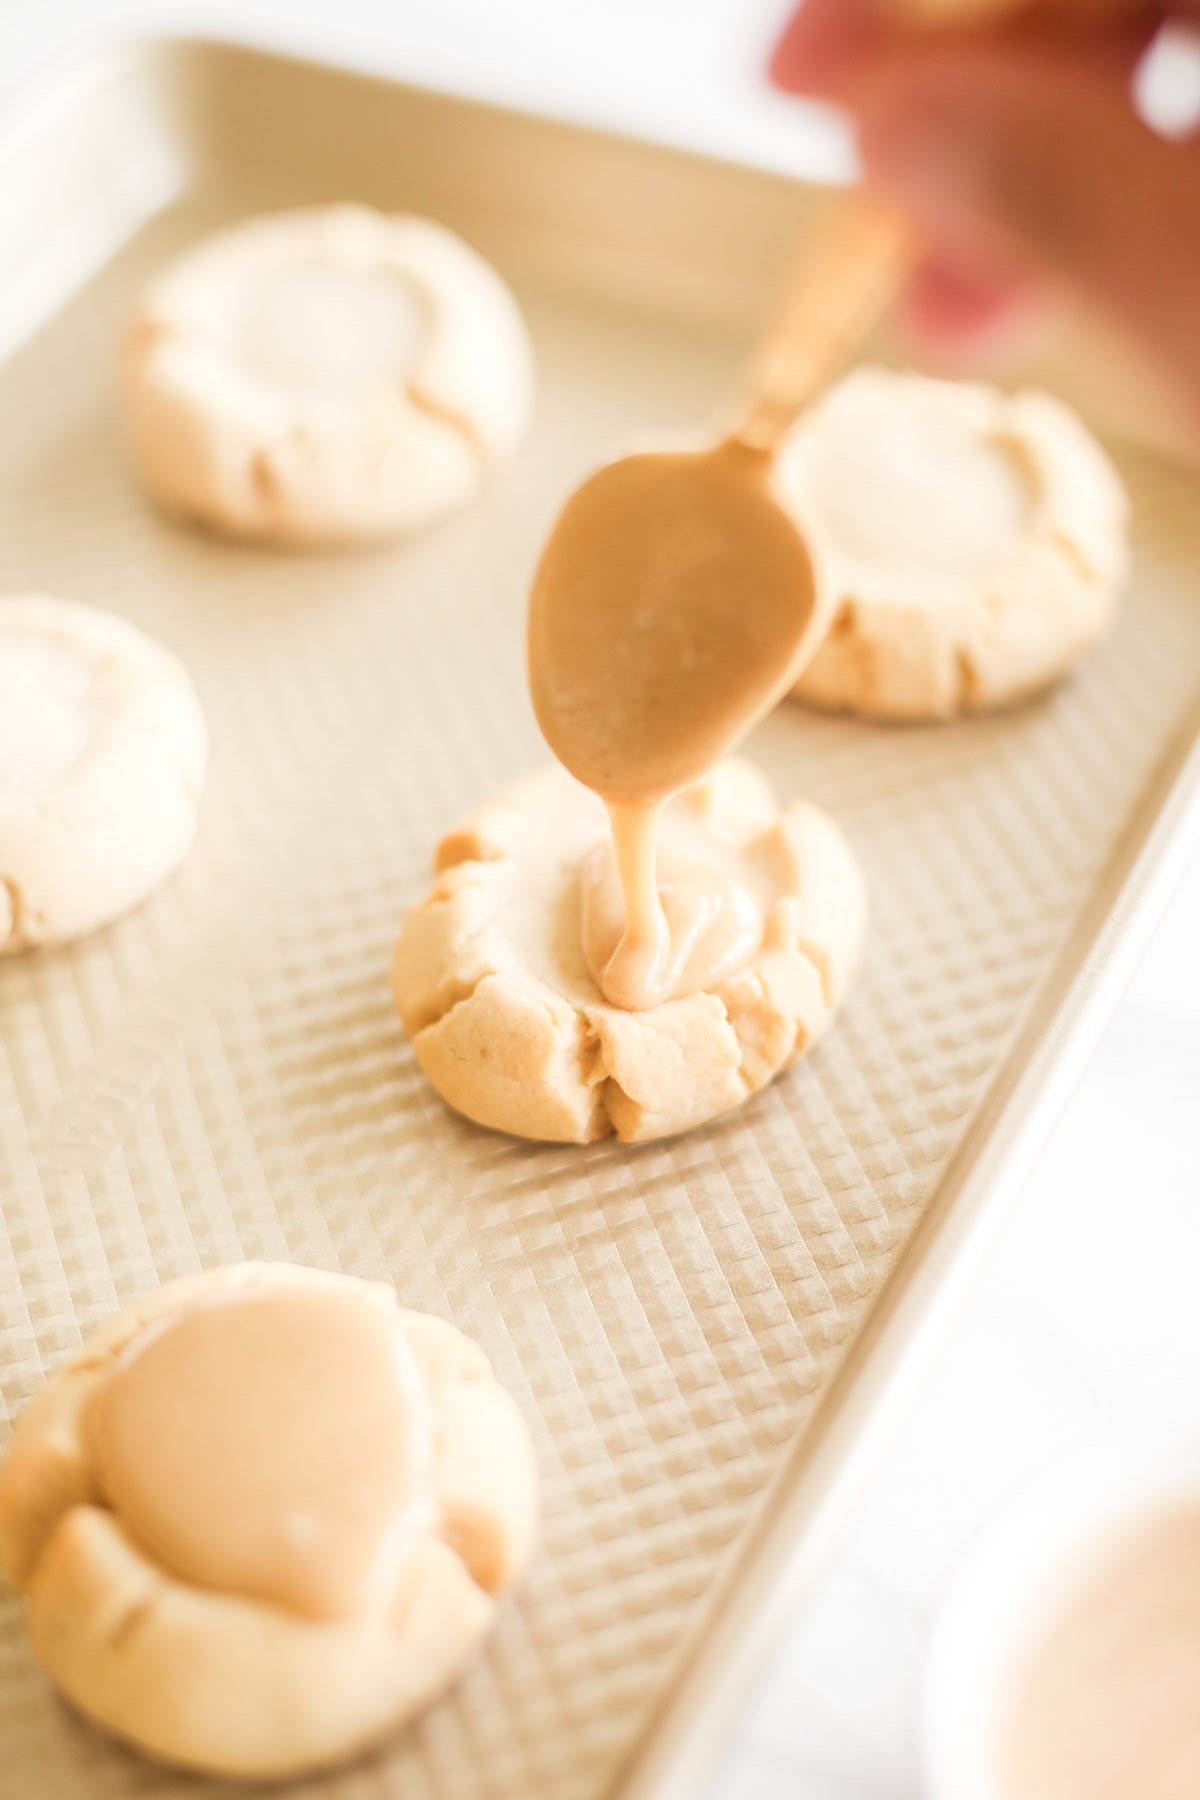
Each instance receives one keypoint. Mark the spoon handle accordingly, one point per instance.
(841, 288)
(838, 292)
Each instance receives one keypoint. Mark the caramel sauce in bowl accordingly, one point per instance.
(1065, 1664)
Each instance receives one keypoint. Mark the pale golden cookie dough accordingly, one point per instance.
(103, 747)
(245, 1686)
(976, 543)
(491, 983)
(322, 377)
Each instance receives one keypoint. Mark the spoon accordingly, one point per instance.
(677, 599)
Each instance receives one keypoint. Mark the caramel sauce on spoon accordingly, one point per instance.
(672, 607)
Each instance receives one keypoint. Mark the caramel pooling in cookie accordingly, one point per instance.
(671, 609)
(269, 1444)
(692, 922)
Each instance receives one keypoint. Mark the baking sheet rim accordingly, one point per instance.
(867, 1396)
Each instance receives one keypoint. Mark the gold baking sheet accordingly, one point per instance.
(698, 1331)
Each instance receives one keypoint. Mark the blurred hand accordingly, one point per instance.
(1016, 147)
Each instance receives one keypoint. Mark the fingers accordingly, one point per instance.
(955, 306)
(1060, 12)
(826, 44)
(1014, 156)
(1003, 12)
(829, 46)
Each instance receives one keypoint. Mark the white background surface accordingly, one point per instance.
(1035, 1367)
